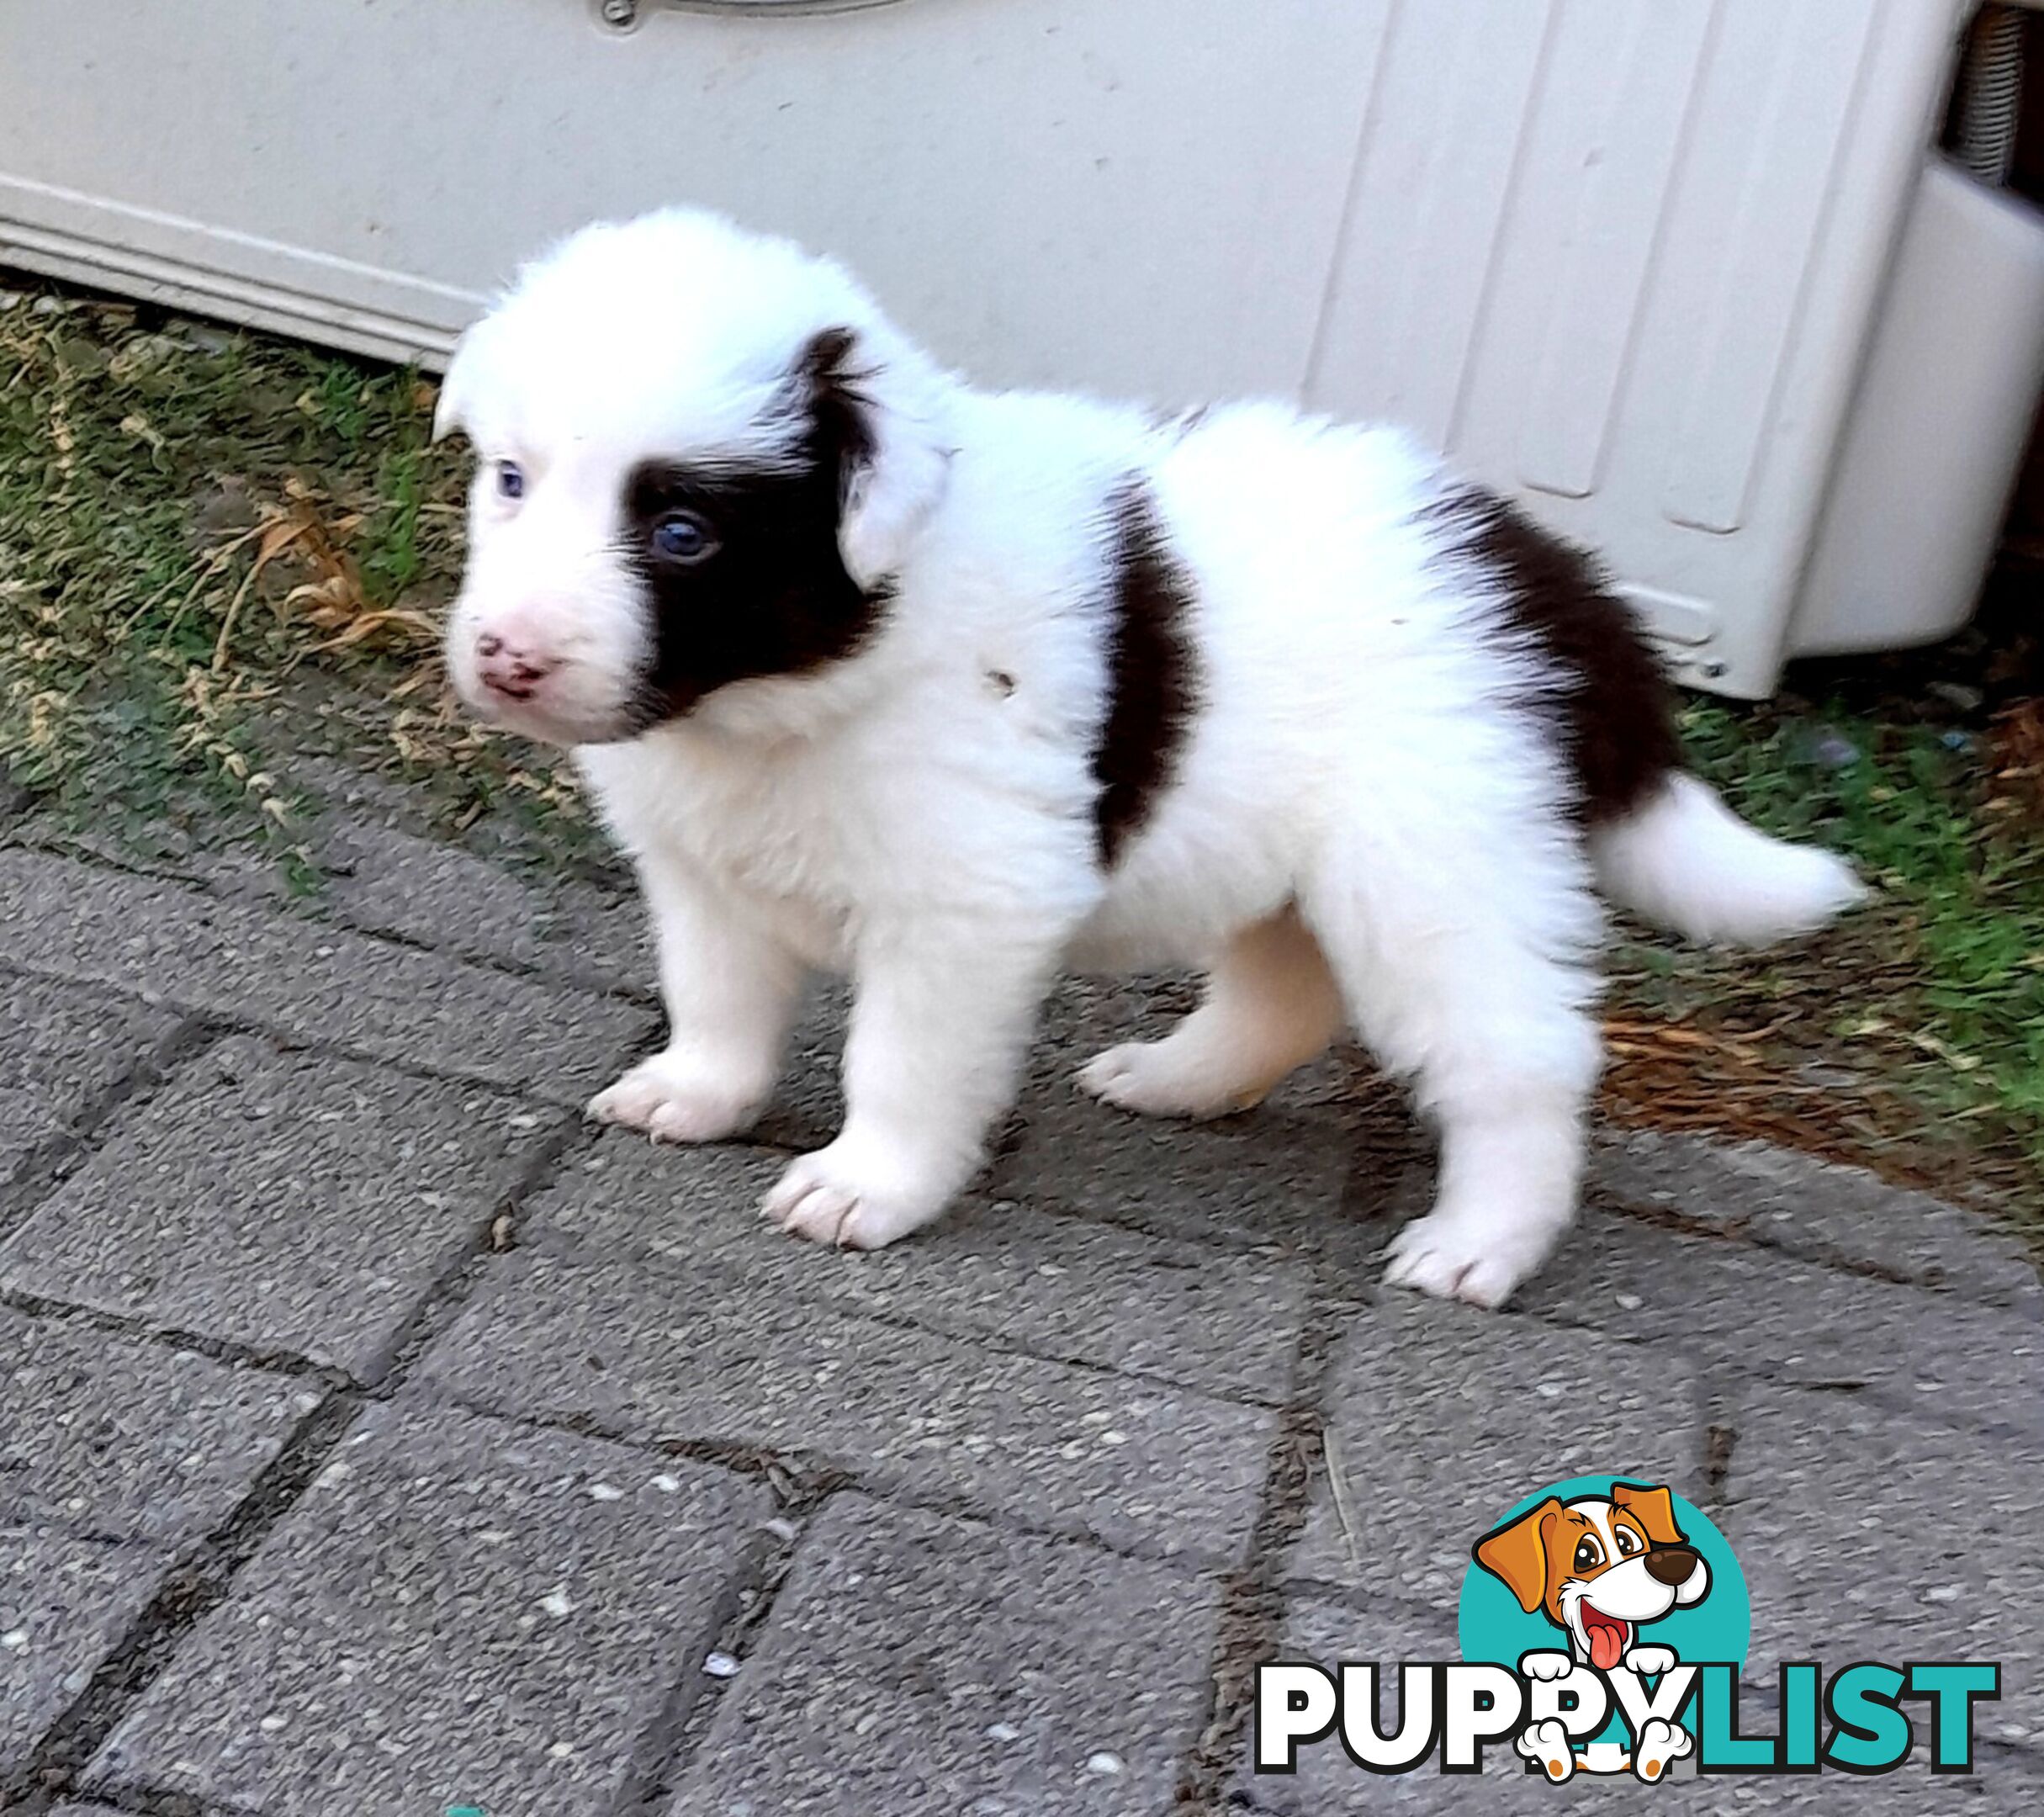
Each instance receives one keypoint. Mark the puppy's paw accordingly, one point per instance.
(1650, 1662)
(1458, 1257)
(1163, 1079)
(675, 1098)
(1661, 1743)
(836, 1196)
(1548, 1743)
(1550, 1667)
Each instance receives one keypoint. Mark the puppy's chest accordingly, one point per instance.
(782, 832)
(790, 831)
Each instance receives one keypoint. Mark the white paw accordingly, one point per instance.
(1548, 1743)
(1551, 1667)
(833, 1196)
(1661, 1743)
(1454, 1257)
(1154, 1079)
(1650, 1662)
(675, 1098)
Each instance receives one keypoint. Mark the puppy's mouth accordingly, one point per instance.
(1604, 1637)
(569, 724)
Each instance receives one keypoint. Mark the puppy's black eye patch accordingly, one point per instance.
(741, 574)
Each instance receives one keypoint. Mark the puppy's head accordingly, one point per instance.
(1599, 1567)
(701, 456)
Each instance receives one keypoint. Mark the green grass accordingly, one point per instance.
(195, 526)
(1939, 987)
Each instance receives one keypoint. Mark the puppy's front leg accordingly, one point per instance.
(729, 989)
(940, 1019)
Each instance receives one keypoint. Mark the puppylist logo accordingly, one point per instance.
(1604, 1625)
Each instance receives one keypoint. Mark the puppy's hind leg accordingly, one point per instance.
(1465, 972)
(1271, 1005)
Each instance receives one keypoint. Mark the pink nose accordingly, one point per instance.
(508, 669)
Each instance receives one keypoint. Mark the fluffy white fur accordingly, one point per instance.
(1363, 830)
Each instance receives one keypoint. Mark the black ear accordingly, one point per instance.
(874, 412)
(840, 412)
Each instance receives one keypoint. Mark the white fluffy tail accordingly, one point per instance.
(1685, 861)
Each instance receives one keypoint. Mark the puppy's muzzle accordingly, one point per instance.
(512, 671)
(1672, 1565)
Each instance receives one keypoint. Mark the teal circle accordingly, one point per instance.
(1495, 1629)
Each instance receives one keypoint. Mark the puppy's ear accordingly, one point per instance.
(463, 382)
(872, 415)
(1516, 1553)
(1653, 1507)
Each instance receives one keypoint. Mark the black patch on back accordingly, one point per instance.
(1605, 691)
(774, 600)
(1151, 682)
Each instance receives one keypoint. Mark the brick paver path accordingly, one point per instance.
(377, 1440)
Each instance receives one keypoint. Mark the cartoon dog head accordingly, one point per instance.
(1599, 1567)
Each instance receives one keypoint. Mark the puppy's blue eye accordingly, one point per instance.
(683, 536)
(510, 481)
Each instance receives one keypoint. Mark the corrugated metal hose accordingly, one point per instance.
(1988, 103)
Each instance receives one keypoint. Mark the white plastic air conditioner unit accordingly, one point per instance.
(1681, 273)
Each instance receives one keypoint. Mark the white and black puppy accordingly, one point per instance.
(950, 691)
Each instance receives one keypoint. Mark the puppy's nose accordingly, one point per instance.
(1671, 1565)
(511, 670)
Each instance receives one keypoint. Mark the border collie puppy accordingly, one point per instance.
(952, 690)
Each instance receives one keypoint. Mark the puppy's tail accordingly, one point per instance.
(1685, 861)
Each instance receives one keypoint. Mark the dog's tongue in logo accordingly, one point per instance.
(1606, 1639)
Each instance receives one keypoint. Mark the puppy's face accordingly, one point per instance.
(671, 452)
(1599, 1568)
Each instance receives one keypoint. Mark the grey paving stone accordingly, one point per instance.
(123, 1439)
(1083, 1015)
(925, 1667)
(2003, 1788)
(281, 1201)
(315, 983)
(1866, 1535)
(62, 1047)
(65, 1603)
(1271, 1176)
(1327, 1784)
(1440, 1417)
(648, 1351)
(808, 1107)
(458, 1610)
(1811, 1208)
(1226, 1322)
(116, 1459)
(384, 880)
(219, 866)
(1798, 1322)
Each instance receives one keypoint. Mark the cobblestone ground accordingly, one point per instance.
(380, 1440)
